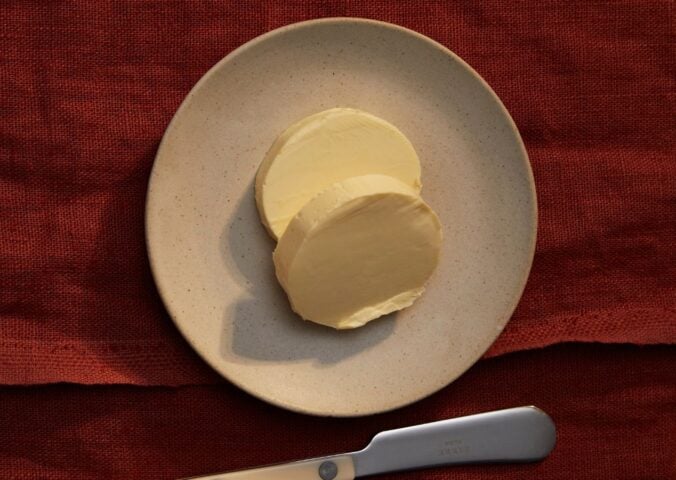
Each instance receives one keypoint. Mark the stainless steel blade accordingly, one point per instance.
(522, 434)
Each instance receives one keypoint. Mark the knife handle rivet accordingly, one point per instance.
(328, 470)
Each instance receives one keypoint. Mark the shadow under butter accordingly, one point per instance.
(261, 325)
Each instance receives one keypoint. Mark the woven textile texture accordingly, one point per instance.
(87, 89)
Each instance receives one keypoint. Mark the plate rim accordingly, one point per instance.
(153, 262)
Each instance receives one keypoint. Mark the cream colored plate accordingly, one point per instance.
(211, 257)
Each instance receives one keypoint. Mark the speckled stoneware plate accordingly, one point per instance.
(211, 257)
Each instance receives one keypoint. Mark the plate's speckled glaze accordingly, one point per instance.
(211, 257)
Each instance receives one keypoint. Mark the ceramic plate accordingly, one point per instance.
(211, 257)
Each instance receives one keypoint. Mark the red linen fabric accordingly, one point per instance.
(86, 91)
(614, 406)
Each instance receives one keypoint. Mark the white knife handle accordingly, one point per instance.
(339, 467)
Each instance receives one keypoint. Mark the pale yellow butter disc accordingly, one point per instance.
(323, 149)
(362, 248)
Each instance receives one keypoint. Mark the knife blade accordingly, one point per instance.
(522, 434)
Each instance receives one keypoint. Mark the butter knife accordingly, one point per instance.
(523, 434)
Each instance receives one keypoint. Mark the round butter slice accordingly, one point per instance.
(361, 249)
(323, 149)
